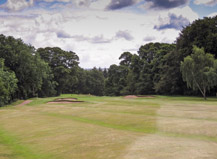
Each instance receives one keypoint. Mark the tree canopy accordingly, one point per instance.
(8, 84)
(199, 70)
(157, 68)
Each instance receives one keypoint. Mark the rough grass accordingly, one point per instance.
(108, 128)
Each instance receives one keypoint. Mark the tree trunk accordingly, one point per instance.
(204, 93)
(33, 91)
(204, 96)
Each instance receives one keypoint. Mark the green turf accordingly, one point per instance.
(17, 149)
(100, 127)
(148, 128)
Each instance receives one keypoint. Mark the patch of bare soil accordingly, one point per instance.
(66, 100)
(25, 102)
(161, 147)
(138, 96)
(145, 96)
(130, 97)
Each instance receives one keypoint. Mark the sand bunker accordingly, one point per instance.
(145, 96)
(66, 100)
(130, 97)
(138, 96)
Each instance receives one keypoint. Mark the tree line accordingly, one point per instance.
(157, 68)
(161, 68)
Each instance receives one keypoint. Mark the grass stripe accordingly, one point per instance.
(148, 129)
(188, 136)
(158, 115)
(19, 150)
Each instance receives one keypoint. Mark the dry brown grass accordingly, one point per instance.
(161, 147)
(112, 128)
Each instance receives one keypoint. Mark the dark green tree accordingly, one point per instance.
(170, 78)
(133, 77)
(153, 58)
(8, 84)
(115, 84)
(125, 59)
(63, 64)
(202, 33)
(112, 81)
(30, 70)
(95, 82)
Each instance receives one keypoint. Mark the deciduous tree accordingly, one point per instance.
(199, 70)
(8, 84)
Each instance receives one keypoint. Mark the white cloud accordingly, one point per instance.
(57, 0)
(205, 2)
(125, 35)
(119, 4)
(149, 38)
(77, 3)
(92, 33)
(99, 4)
(212, 15)
(175, 18)
(17, 5)
(186, 12)
(163, 5)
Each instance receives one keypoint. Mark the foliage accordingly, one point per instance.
(62, 64)
(93, 82)
(153, 56)
(31, 71)
(202, 33)
(170, 79)
(115, 84)
(125, 58)
(134, 75)
(155, 69)
(144, 69)
(8, 85)
(199, 70)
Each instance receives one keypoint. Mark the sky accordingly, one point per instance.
(99, 31)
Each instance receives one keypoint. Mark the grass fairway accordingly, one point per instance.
(110, 128)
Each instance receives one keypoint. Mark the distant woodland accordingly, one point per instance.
(187, 67)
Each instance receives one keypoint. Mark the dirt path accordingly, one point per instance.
(25, 102)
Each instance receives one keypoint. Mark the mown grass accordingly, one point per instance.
(17, 149)
(188, 136)
(149, 127)
(99, 127)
